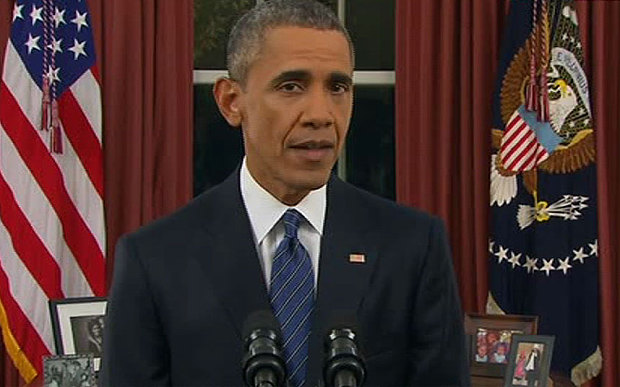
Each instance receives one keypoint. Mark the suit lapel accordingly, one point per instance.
(342, 283)
(230, 261)
(232, 266)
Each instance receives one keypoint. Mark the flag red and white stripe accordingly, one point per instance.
(520, 150)
(52, 234)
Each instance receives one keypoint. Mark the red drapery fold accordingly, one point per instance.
(145, 60)
(146, 54)
(447, 55)
(445, 73)
(600, 28)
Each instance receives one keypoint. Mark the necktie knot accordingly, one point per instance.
(291, 218)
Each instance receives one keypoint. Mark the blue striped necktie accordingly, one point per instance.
(292, 297)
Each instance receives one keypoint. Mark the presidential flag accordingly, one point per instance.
(52, 236)
(543, 246)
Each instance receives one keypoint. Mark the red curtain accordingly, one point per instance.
(145, 60)
(600, 28)
(445, 73)
(7, 370)
(146, 52)
(447, 55)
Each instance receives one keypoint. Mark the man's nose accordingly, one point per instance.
(318, 112)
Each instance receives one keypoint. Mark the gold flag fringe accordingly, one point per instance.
(587, 369)
(492, 307)
(20, 360)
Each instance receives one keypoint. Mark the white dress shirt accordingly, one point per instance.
(265, 213)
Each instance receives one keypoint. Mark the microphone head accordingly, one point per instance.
(261, 323)
(260, 319)
(262, 360)
(342, 323)
(342, 350)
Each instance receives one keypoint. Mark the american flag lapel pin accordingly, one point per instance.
(357, 258)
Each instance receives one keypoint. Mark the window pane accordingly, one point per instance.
(371, 25)
(370, 143)
(218, 148)
(213, 20)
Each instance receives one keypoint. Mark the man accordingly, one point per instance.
(532, 368)
(283, 225)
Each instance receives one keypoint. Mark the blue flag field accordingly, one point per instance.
(543, 246)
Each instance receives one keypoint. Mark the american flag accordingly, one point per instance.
(543, 237)
(520, 150)
(52, 235)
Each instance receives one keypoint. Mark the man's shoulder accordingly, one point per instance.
(379, 208)
(202, 210)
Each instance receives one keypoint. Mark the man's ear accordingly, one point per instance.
(227, 94)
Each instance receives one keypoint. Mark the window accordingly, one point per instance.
(368, 159)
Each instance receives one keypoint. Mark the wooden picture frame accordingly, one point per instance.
(490, 339)
(78, 324)
(529, 361)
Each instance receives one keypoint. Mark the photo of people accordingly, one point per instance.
(88, 334)
(493, 346)
(68, 371)
(482, 352)
(527, 367)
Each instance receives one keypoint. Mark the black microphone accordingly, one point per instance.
(262, 364)
(344, 362)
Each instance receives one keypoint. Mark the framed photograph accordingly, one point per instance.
(78, 326)
(529, 361)
(69, 371)
(490, 340)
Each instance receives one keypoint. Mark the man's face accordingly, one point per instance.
(295, 109)
(96, 329)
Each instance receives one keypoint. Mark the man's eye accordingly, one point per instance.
(340, 88)
(290, 87)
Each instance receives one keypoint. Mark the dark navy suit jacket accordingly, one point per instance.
(184, 285)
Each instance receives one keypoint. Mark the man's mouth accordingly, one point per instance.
(321, 144)
(313, 150)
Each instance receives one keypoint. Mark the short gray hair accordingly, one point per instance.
(248, 33)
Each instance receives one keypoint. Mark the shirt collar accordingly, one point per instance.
(264, 210)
